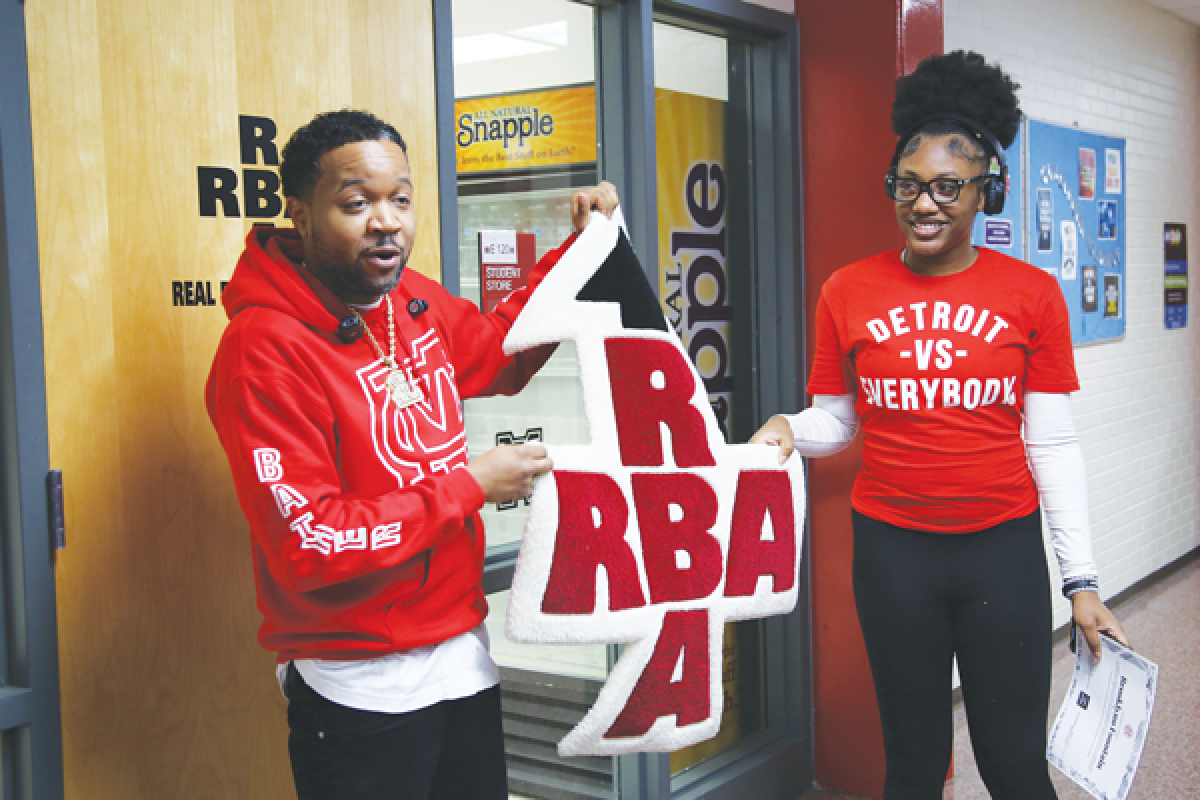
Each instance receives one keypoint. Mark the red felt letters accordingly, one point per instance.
(655, 695)
(592, 521)
(652, 383)
(582, 545)
(663, 538)
(675, 511)
(761, 492)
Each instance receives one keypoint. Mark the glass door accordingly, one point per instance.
(692, 114)
(726, 213)
(525, 140)
(696, 273)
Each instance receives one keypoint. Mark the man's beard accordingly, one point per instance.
(348, 280)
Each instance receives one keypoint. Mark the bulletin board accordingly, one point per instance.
(1004, 232)
(1076, 217)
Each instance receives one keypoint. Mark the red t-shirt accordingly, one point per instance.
(939, 367)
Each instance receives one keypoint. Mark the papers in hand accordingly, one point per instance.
(1099, 733)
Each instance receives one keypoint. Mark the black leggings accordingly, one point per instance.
(985, 597)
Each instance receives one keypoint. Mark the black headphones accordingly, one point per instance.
(995, 187)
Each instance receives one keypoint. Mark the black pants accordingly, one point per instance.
(985, 597)
(453, 750)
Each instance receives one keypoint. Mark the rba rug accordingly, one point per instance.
(658, 532)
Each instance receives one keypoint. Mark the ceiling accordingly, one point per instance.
(1188, 9)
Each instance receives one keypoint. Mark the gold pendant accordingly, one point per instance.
(403, 393)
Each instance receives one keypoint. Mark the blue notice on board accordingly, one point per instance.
(997, 232)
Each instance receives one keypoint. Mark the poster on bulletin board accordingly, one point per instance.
(1076, 216)
(1004, 232)
(1175, 275)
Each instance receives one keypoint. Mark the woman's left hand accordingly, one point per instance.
(778, 432)
(1092, 616)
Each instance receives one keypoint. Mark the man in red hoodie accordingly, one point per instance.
(337, 394)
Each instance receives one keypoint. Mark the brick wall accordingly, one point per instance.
(1124, 69)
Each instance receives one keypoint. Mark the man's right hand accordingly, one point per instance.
(602, 198)
(508, 472)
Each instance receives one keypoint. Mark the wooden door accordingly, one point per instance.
(165, 691)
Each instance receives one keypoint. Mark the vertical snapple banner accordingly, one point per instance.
(693, 277)
(693, 273)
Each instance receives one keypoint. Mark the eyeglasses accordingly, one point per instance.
(942, 191)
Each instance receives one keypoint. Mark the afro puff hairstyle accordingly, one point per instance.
(301, 167)
(960, 83)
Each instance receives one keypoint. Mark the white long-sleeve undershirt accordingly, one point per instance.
(1056, 460)
(1052, 446)
(826, 427)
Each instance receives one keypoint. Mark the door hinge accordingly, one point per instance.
(58, 516)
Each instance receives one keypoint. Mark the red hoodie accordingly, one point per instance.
(366, 530)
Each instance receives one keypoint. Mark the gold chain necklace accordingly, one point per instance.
(403, 393)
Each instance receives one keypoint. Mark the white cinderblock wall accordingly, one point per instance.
(1128, 69)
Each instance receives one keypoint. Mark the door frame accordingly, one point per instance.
(30, 718)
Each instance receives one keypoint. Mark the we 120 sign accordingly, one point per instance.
(656, 533)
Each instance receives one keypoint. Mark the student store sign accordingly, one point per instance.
(522, 131)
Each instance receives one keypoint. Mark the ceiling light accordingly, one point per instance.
(554, 33)
(492, 46)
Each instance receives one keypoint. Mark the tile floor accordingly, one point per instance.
(1163, 622)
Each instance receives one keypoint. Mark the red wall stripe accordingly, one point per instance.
(851, 52)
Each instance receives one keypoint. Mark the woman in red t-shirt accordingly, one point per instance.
(942, 352)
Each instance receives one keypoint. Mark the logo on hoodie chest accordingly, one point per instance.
(427, 437)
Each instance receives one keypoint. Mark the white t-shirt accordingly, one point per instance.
(406, 681)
